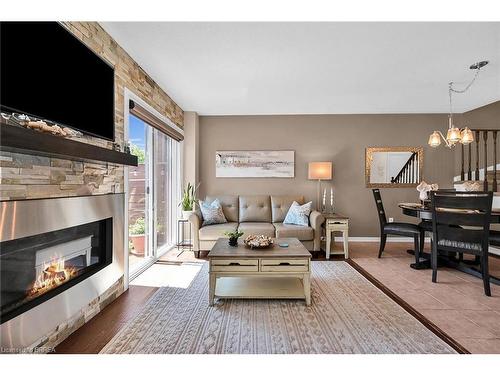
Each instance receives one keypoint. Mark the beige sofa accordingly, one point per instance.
(256, 214)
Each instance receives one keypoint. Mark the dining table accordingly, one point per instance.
(424, 213)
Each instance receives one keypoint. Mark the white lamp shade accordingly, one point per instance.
(320, 170)
(453, 135)
(434, 139)
(467, 136)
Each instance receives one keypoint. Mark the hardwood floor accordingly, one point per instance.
(94, 335)
(456, 304)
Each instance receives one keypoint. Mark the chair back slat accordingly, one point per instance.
(445, 232)
(461, 221)
(467, 217)
(380, 207)
(463, 200)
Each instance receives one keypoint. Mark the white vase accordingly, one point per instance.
(186, 214)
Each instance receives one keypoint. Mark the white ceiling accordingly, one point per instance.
(313, 68)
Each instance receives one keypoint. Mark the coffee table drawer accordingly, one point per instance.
(234, 265)
(284, 265)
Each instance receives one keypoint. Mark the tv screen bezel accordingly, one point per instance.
(109, 64)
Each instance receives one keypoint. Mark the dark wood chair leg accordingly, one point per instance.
(434, 261)
(422, 241)
(417, 248)
(383, 239)
(486, 275)
(196, 254)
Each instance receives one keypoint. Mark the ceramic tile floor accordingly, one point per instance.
(456, 303)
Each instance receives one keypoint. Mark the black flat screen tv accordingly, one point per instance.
(46, 72)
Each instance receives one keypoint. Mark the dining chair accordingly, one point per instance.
(494, 237)
(426, 225)
(398, 229)
(461, 224)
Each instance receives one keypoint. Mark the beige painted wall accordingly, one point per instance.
(339, 138)
(487, 116)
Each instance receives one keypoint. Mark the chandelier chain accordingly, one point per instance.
(455, 135)
(452, 90)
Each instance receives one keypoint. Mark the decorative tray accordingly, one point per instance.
(258, 242)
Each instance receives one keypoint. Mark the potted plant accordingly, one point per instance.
(188, 200)
(233, 237)
(137, 233)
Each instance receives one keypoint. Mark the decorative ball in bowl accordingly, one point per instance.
(258, 241)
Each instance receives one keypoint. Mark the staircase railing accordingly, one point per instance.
(409, 172)
(485, 139)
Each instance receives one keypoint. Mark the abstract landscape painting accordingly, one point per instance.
(255, 164)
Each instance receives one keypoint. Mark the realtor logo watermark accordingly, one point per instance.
(38, 350)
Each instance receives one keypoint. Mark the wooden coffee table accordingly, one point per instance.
(277, 272)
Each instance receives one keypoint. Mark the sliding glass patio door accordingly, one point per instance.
(153, 194)
(166, 190)
(140, 208)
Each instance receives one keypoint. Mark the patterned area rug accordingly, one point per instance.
(348, 315)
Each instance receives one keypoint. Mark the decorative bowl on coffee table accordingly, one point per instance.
(258, 241)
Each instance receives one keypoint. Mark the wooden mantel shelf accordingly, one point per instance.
(26, 141)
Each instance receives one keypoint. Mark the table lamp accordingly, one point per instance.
(320, 170)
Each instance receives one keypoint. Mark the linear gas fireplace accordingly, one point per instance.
(36, 268)
(57, 255)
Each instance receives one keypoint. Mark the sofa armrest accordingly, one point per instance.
(316, 219)
(195, 221)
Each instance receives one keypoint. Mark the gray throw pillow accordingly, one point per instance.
(298, 215)
(212, 213)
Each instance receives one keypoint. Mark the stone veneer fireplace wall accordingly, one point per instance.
(28, 177)
(25, 177)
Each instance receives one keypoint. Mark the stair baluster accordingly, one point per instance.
(462, 172)
(485, 138)
(490, 177)
(469, 173)
(477, 155)
(495, 184)
(409, 172)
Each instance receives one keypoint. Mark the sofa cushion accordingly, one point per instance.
(216, 231)
(298, 215)
(266, 229)
(255, 208)
(212, 213)
(229, 205)
(294, 231)
(280, 204)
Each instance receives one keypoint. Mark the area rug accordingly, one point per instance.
(348, 314)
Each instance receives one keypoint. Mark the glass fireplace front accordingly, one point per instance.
(36, 268)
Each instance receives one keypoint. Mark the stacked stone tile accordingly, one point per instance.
(28, 177)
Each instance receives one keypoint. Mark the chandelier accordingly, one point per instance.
(454, 134)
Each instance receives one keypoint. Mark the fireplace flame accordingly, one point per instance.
(54, 274)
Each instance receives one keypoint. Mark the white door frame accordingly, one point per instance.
(129, 95)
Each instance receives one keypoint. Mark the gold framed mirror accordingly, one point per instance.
(393, 167)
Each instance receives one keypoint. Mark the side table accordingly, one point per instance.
(182, 242)
(336, 223)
